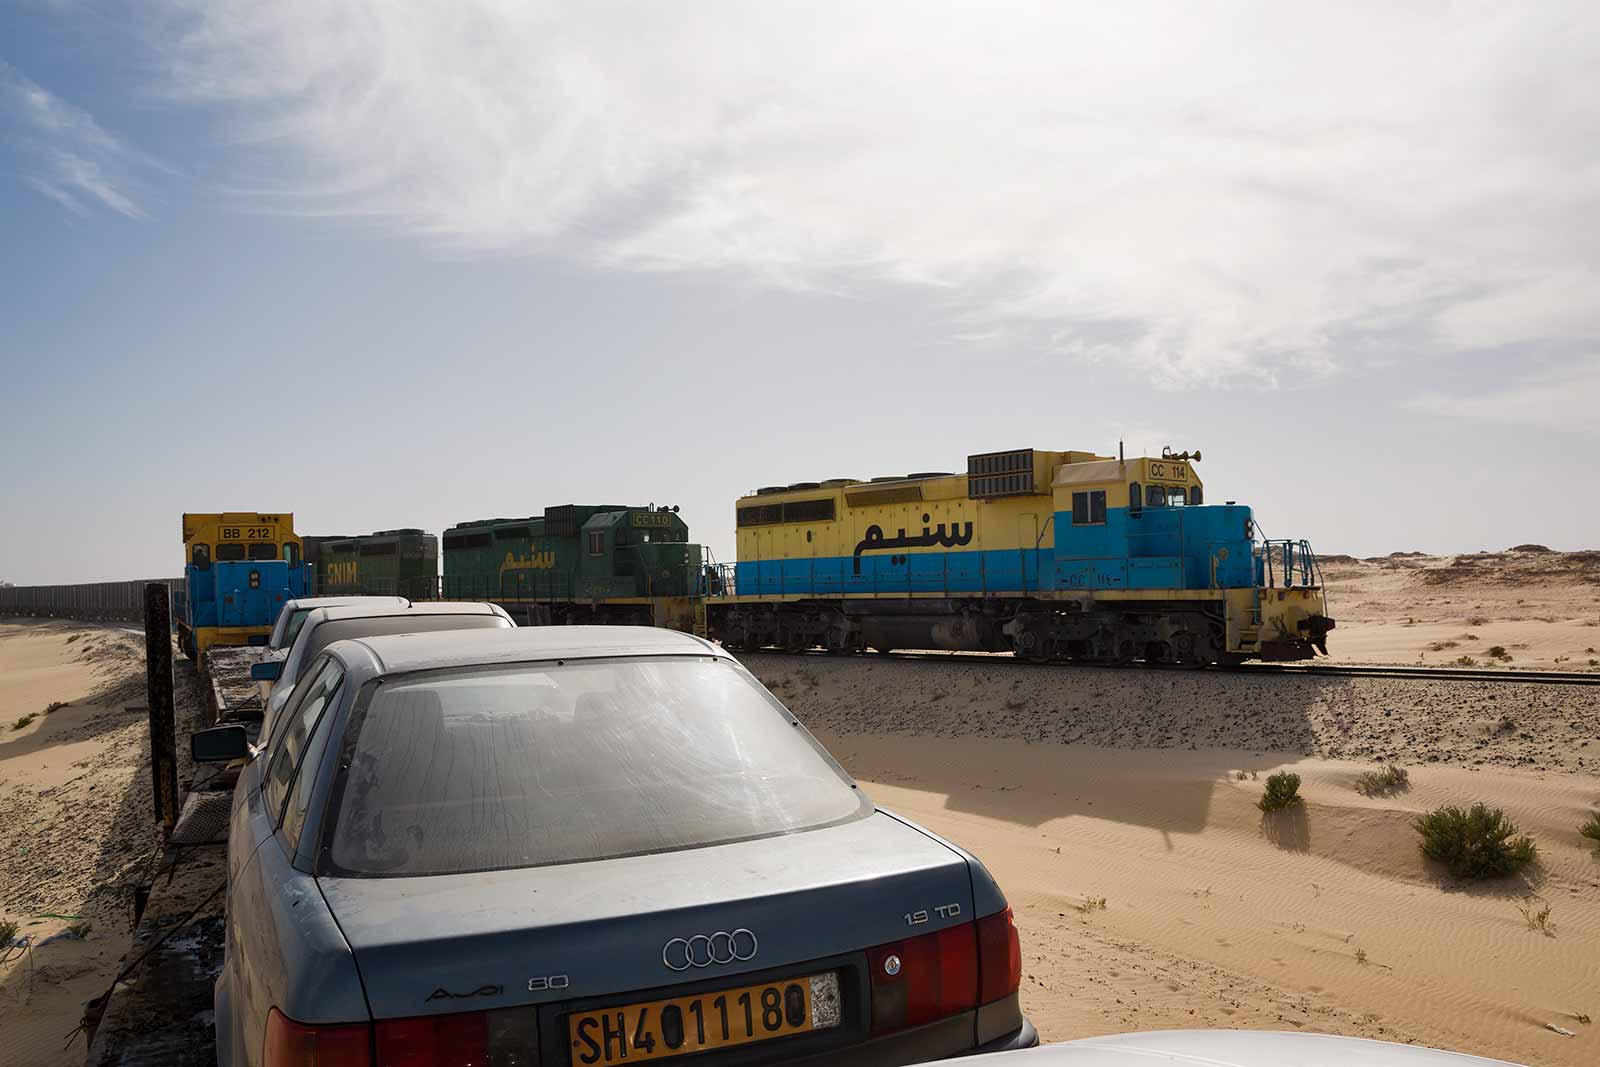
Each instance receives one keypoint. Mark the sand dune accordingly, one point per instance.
(1541, 608)
(75, 826)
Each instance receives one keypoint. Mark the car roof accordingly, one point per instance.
(341, 601)
(383, 610)
(470, 648)
(1229, 1048)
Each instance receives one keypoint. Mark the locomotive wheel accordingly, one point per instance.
(1035, 647)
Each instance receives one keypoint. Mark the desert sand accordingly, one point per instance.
(1540, 608)
(1117, 809)
(75, 826)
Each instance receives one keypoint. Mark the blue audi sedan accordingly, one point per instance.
(584, 846)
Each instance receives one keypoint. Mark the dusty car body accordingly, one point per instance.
(323, 625)
(585, 845)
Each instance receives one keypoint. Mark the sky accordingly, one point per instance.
(392, 264)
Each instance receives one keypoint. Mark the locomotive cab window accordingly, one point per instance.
(291, 553)
(597, 542)
(1135, 497)
(1154, 496)
(263, 550)
(1177, 496)
(233, 551)
(1194, 496)
(1089, 507)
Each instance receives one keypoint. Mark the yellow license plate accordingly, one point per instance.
(679, 1026)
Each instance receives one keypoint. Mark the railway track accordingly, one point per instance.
(1329, 670)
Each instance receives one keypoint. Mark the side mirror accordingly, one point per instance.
(266, 671)
(258, 640)
(220, 744)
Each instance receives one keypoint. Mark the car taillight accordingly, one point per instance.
(923, 978)
(505, 1038)
(999, 957)
(292, 1044)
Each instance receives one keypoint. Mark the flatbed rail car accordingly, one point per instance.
(242, 567)
(581, 563)
(386, 563)
(1052, 555)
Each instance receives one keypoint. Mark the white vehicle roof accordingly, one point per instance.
(1229, 1048)
(279, 640)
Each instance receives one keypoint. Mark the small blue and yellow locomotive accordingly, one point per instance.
(1053, 555)
(239, 569)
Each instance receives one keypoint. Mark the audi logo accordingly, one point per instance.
(703, 950)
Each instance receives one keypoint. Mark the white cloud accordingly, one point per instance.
(69, 158)
(1214, 191)
(1567, 401)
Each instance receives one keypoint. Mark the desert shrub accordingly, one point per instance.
(1477, 620)
(1591, 829)
(1440, 646)
(24, 721)
(1536, 913)
(8, 930)
(1498, 652)
(1464, 661)
(1476, 842)
(1391, 779)
(55, 705)
(1283, 791)
(1091, 904)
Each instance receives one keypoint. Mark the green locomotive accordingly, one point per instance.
(387, 563)
(580, 563)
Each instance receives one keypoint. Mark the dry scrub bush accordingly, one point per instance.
(1591, 829)
(1536, 913)
(1389, 780)
(1283, 791)
(1476, 842)
(24, 721)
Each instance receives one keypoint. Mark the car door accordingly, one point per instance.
(259, 943)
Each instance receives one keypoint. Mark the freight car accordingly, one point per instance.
(1052, 555)
(95, 601)
(387, 563)
(580, 563)
(241, 568)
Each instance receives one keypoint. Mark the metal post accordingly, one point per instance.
(158, 690)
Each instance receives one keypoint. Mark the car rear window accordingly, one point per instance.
(379, 625)
(487, 769)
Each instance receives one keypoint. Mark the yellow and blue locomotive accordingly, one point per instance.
(239, 569)
(1052, 555)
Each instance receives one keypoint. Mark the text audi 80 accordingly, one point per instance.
(588, 846)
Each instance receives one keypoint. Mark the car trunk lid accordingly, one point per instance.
(447, 943)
